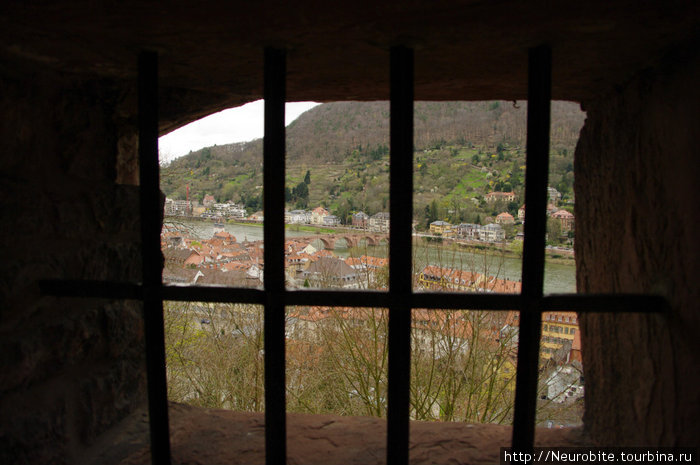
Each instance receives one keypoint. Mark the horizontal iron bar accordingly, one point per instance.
(605, 303)
(118, 290)
(339, 298)
(214, 294)
(91, 289)
(466, 301)
(583, 303)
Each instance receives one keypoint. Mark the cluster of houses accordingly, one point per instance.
(492, 232)
(553, 195)
(453, 280)
(319, 216)
(379, 222)
(222, 260)
(564, 217)
(209, 208)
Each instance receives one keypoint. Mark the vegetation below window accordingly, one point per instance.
(462, 363)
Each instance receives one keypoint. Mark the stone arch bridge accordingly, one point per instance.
(352, 239)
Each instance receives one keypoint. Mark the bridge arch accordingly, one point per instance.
(373, 239)
(328, 242)
(350, 239)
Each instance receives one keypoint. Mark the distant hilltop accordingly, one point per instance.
(338, 154)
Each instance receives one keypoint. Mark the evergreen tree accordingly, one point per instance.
(301, 191)
(433, 212)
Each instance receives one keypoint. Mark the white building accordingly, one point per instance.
(331, 220)
(554, 195)
(379, 222)
(228, 210)
(468, 231)
(317, 215)
(177, 207)
(492, 233)
(297, 217)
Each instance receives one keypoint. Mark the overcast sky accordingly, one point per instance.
(240, 124)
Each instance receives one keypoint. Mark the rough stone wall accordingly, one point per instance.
(70, 367)
(637, 210)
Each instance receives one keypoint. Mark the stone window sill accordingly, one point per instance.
(207, 436)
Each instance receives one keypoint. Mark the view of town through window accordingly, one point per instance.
(468, 212)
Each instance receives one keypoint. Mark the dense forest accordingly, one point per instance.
(338, 157)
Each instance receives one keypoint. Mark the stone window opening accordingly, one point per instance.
(531, 302)
(73, 375)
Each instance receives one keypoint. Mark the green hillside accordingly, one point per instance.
(462, 151)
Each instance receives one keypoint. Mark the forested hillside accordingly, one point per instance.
(338, 153)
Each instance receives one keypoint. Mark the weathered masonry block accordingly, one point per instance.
(637, 210)
(72, 368)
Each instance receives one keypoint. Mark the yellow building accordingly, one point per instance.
(558, 332)
(440, 227)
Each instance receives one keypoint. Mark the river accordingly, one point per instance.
(558, 278)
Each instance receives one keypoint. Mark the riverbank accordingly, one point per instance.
(509, 249)
(553, 257)
(315, 229)
(294, 227)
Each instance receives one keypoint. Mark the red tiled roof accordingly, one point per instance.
(562, 214)
(367, 260)
(453, 277)
(560, 317)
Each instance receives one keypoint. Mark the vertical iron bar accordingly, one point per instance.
(273, 204)
(400, 266)
(151, 215)
(537, 168)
